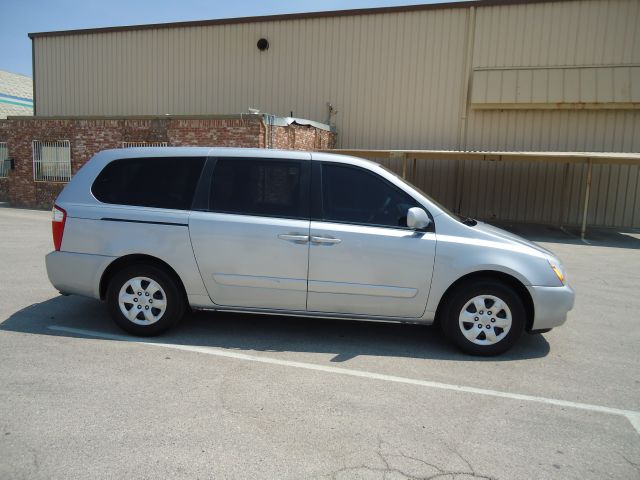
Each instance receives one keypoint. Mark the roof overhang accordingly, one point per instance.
(293, 16)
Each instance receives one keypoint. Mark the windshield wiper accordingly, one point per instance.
(469, 221)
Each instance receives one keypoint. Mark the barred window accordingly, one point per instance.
(4, 160)
(51, 161)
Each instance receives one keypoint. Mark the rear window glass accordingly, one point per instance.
(165, 182)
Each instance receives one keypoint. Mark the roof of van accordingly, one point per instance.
(134, 152)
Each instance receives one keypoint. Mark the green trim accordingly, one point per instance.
(2, 100)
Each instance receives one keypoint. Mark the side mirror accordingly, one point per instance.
(417, 219)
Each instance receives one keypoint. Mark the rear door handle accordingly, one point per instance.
(294, 237)
(325, 240)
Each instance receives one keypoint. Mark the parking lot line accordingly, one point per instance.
(632, 416)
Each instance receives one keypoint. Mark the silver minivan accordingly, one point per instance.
(155, 231)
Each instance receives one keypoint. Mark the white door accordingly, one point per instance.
(251, 245)
(363, 259)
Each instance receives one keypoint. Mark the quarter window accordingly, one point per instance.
(165, 182)
(354, 195)
(272, 188)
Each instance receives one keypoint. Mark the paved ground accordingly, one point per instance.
(263, 397)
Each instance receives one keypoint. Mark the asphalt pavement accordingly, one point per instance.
(245, 396)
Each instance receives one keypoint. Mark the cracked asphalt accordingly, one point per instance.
(79, 406)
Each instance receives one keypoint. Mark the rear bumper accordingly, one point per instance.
(76, 273)
(551, 305)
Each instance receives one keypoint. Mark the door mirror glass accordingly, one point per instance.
(417, 218)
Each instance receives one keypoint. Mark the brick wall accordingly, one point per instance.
(88, 136)
(4, 189)
(301, 137)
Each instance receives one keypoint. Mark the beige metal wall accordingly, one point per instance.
(395, 79)
(535, 192)
(603, 33)
(398, 80)
(422, 79)
(571, 36)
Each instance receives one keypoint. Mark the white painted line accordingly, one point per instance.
(632, 416)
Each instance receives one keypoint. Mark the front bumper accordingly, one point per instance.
(77, 273)
(551, 305)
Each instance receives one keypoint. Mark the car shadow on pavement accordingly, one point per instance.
(345, 339)
(598, 237)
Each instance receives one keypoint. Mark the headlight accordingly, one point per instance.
(558, 270)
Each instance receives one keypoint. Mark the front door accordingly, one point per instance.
(363, 259)
(250, 243)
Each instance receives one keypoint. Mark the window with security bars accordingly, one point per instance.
(4, 160)
(144, 144)
(51, 161)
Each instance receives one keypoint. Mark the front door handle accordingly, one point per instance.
(325, 240)
(294, 237)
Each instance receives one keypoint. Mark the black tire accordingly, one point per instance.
(461, 297)
(173, 298)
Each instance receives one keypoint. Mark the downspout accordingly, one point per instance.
(264, 124)
(468, 71)
(464, 101)
(268, 121)
(271, 131)
(33, 73)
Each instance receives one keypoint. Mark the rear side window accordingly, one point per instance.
(166, 182)
(354, 195)
(271, 188)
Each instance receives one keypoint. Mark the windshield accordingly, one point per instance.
(437, 204)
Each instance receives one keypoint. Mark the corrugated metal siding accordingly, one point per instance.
(397, 80)
(364, 65)
(554, 88)
(516, 191)
(566, 34)
(581, 131)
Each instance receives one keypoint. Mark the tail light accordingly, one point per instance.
(58, 219)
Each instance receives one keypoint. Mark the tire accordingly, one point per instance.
(490, 332)
(136, 288)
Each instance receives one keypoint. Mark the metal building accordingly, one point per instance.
(505, 75)
(528, 75)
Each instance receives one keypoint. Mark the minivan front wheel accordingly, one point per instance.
(485, 318)
(144, 300)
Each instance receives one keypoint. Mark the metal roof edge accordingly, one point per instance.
(294, 16)
(286, 121)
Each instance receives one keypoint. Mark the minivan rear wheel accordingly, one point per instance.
(144, 300)
(485, 317)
